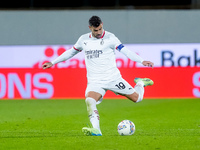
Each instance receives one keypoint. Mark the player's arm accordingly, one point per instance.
(65, 56)
(133, 56)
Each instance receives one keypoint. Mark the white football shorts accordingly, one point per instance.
(119, 86)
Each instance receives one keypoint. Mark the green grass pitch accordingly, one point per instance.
(161, 124)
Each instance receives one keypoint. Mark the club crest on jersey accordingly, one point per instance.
(102, 42)
(90, 54)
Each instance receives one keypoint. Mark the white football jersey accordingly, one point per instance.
(100, 56)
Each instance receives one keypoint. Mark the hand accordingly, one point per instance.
(47, 65)
(148, 63)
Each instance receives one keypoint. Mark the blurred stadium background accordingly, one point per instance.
(35, 31)
(90, 4)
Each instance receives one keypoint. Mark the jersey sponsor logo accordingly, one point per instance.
(93, 54)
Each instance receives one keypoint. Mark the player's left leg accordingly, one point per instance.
(137, 96)
(94, 94)
(93, 113)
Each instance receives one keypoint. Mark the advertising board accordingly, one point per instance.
(176, 73)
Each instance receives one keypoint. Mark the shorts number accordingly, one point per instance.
(120, 85)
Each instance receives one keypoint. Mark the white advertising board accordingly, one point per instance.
(163, 55)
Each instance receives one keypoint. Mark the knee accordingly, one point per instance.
(93, 95)
(90, 101)
(135, 98)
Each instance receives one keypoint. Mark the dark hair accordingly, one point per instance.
(95, 21)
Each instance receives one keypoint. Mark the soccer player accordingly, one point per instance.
(102, 73)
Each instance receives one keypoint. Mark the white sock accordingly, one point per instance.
(93, 112)
(139, 88)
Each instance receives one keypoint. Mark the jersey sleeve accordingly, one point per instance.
(131, 55)
(69, 53)
(128, 53)
(65, 56)
(78, 45)
(116, 43)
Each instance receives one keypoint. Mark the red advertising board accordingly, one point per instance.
(71, 83)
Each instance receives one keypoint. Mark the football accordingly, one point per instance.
(126, 127)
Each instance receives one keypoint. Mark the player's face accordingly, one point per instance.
(97, 31)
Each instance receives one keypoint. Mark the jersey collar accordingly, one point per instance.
(90, 36)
